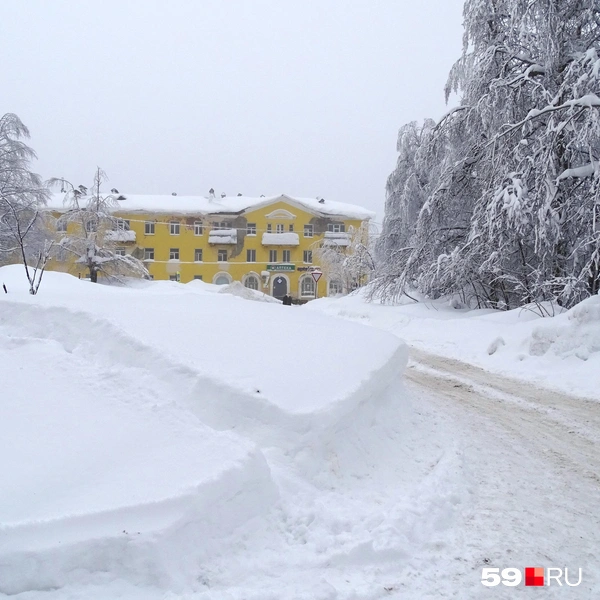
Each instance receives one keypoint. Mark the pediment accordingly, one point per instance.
(281, 213)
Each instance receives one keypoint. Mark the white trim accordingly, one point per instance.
(281, 213)
(252, 274)
(220, 274)
(300, 280)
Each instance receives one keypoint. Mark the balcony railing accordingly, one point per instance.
(120, 235)
(222, 236)
(336, 238)
(280, 239)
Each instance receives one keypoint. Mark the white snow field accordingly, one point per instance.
(560, 350)
(190, 442)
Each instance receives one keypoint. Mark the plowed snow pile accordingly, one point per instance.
(147, 434)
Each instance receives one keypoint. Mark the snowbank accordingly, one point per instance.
(100, 470)
(241, 291)
(143, 423)
(558, 352)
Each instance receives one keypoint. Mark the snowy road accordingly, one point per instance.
(531, 461)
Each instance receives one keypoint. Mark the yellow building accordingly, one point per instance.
(265, 243)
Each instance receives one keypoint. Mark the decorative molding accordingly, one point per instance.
(281, 213)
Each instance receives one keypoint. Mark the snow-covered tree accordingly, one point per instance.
(96, 232)
(509, 179)
(347, 257)
(22, 196)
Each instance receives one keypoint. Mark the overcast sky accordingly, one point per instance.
(255, 96)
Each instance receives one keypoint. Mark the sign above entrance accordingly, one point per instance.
(316, 275)
(281, 267)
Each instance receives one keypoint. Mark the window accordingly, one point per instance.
(148, 253)
(198, 228)
(251, 282)
(174, 277)
(307, 286)
(221, 225)
(269, 228)
(272, 256)
(174, 254)
(121, 225)
(335, 287)
(174, 227)
(291, 227)
(222, 255)
(222, 279)
(250, 255)
(336, 227)
(61, 225)
(287, 256)
(251, 229)
(149, 227)
(91, 226)
(199, 277)
(120, 251)
(308, 231)
(279, 228)
(308, 256)
(198, 255)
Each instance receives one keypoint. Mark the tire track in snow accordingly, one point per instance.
(563, 428)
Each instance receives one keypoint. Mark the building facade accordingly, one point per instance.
(268, 244)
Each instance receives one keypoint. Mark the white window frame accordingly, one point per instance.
(149, 227)
(309, 230)
(222, 274)
(251, 255)
(254, 278)
(304, 292)
(198, 228)
(287, 256)
(269, 228)
(120, 251)
(121, 225)
(196, 251)
(91, 225)
(251, 229)
(174, 227)
(61, 225)
(307, 257)
(148, 251)
(220, 254)
(272, 256)
(279, 228)
(173, 253)
(337, 284)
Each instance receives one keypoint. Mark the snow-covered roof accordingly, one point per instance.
(227, 205)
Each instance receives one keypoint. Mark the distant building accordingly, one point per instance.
(266, 243)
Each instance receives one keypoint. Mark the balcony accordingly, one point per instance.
(340, 238)
(280, 239)
(222, 236)
(120, 235)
